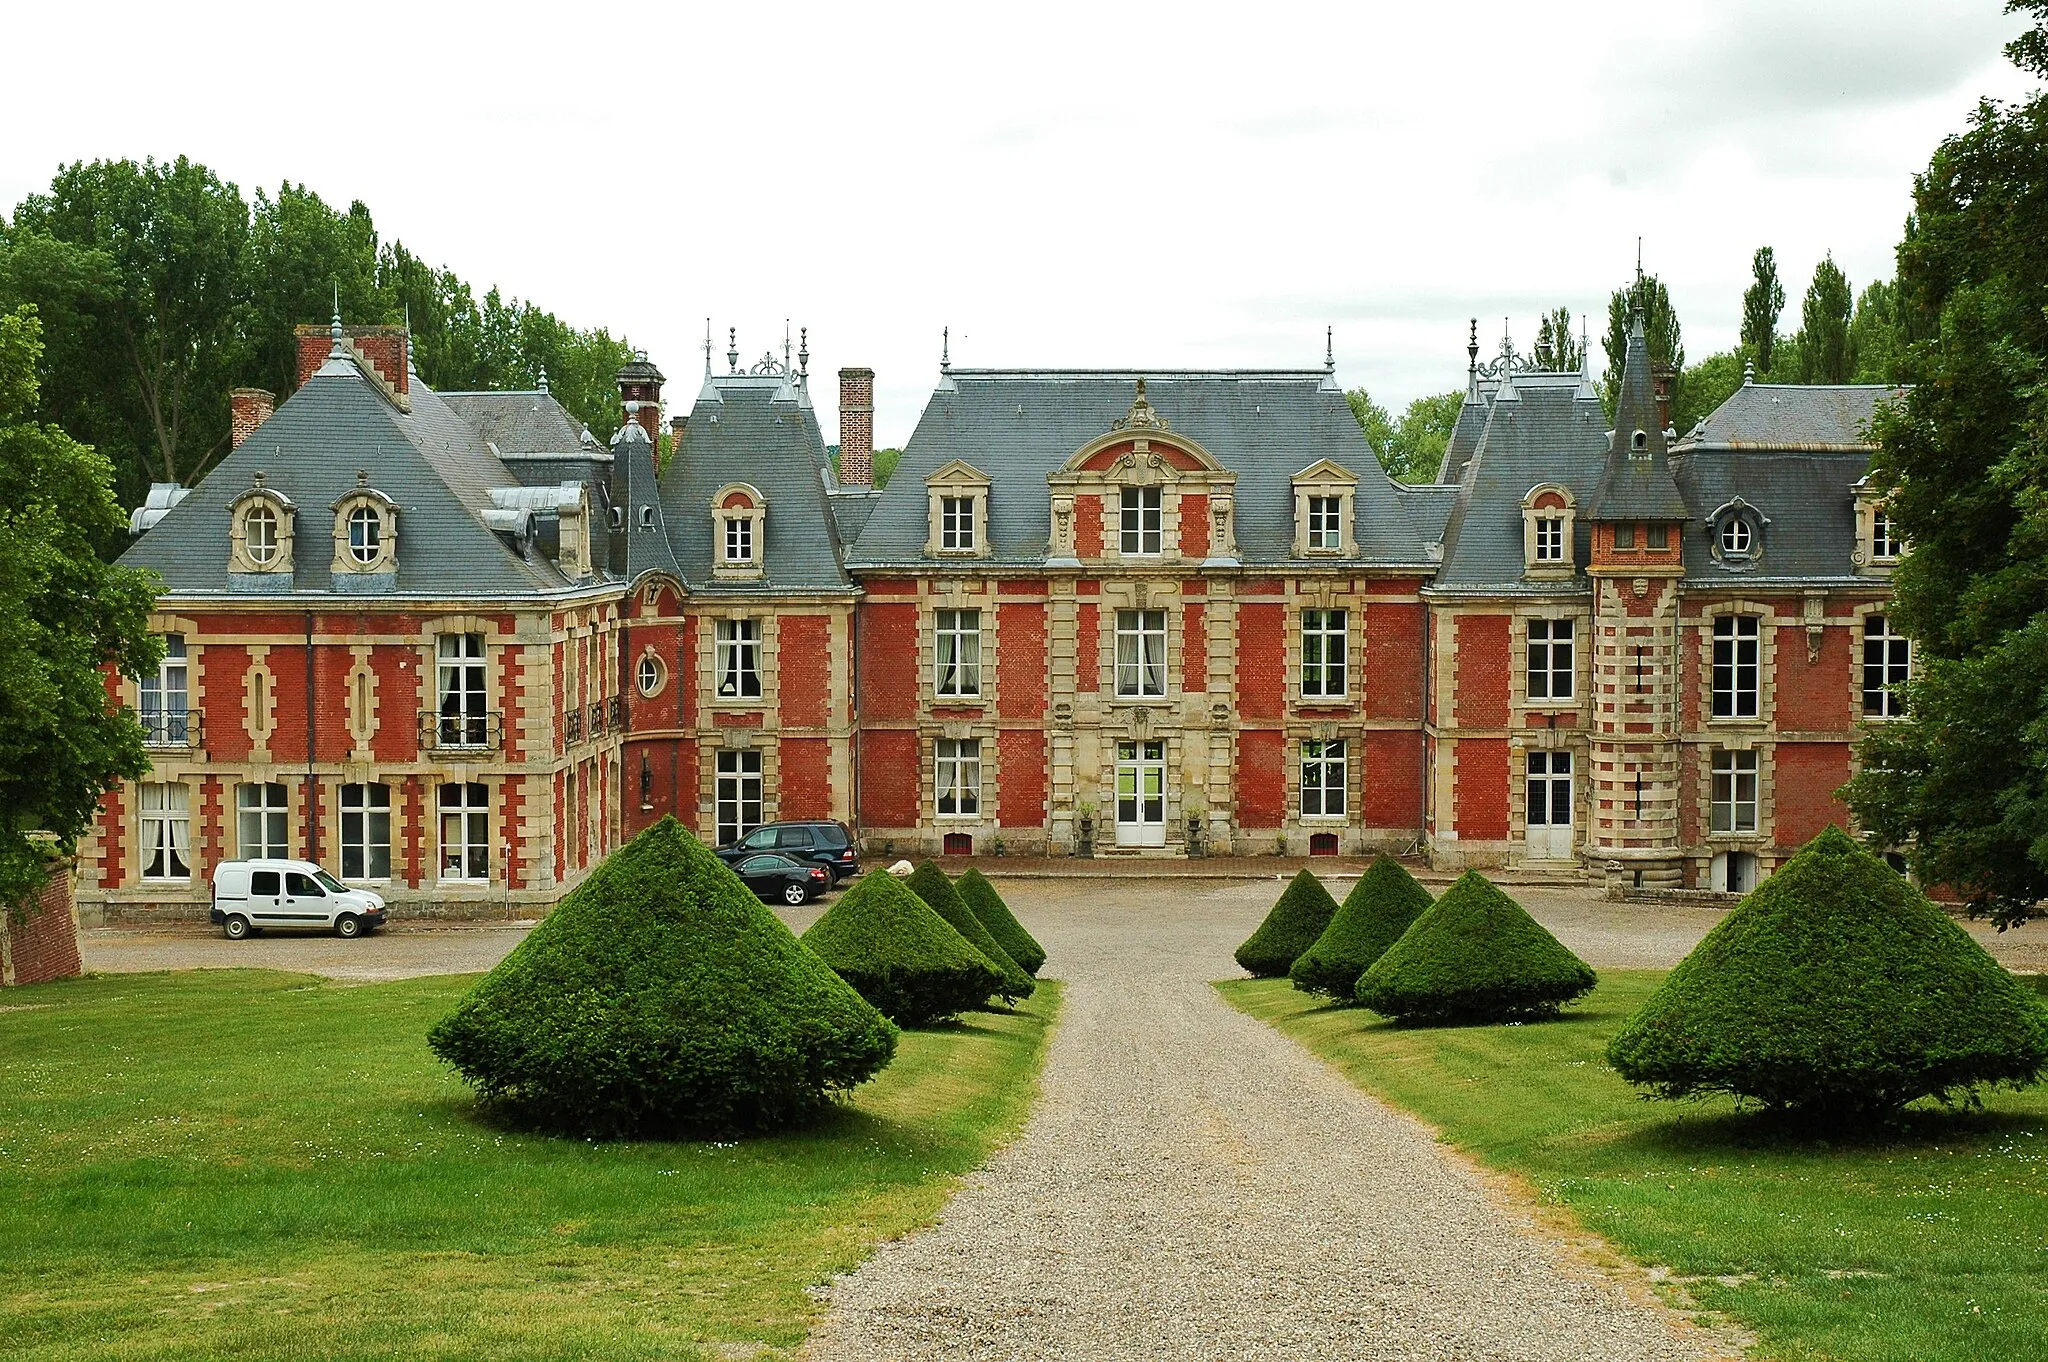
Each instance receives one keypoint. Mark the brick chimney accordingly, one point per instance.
(383, 348)
(856, 427)
(677, 425)
(1662, 380)
(251, 407)
(639, 381)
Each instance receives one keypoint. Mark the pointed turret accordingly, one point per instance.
(1637, 484)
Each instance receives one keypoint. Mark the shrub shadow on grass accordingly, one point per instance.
(1713, 1128)
(1489, 1023)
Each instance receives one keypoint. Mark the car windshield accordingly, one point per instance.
(329, 883)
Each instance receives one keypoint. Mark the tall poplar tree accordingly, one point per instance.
(1824, 354)
(1762, 303)
(1660, 328)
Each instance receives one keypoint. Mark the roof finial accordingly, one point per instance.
(335, 351)
(1472, 363)
(1748, 372)
(543, 378)
(803, 352)
(732, 353)
(946, 350)
(1330, 349)
(1585, 354)
(707, 349)
(785, 347)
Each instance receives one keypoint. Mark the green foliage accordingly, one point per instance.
(65, 613)
(901, 956)
(661, 996)
(1762, 303)
(1705, 386)
(929, 883)
(1961, 783)
(989, 909)
(1373, 916)
(1874, 338)
(1411, 449)
(1824, 351)
(1474, 956)
(1837, 989)
(1660, 329)
(1557, 346)
(1302, 915)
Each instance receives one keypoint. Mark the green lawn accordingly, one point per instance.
(253, 1164)
(1930, 1245)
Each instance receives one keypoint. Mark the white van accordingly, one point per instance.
(252, 895)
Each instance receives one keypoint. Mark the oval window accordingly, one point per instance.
(650, 675)
(1735, 537)
(365, 534)
(259, 534)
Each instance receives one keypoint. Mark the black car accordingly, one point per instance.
(782, 879)
(814, 842)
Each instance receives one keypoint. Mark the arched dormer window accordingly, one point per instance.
(739, 522)
(1879, 546)
(260, 531)
(365, 531)
(1639, 443)
(1736, 534)
(1325, 511)
(957, 503)
(1548, 513)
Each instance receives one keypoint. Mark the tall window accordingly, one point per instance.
(1884, 540)
(736, 653)
(1323, 766)
(259, 534)
(365, 534)
(1887, 662)
(459, 681)
(1325, 531)
(1323, 654)
(739, 795)
(1736, 649)
(166, 718)
(956, 655)
(956, 524)
(1734, 802)
(260, 821)
(1141, 652)
(739, 539)
(1549, 790)
(465, 831)
(366, 832)
(1141, 520)
(958, 776)
(1550, 659)
(1549, 539)
(166, 831)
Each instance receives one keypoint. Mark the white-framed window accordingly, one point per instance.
(1141, 521)
(166, 697)
(739, 539)
(261, 821)
(650, 675)
(365, 534)
(1887, 662)
(166, 831)
(465, 831)
(1738, 648)
(956, 653)
(1737, 541)
(1551, 663)
(1547, 801)
(1549, 539)
(738, 794)
(1141, 652)
(956, 524)
(1325, 523)
(1323, 768)
(259, 534)
(366, 832)
(1734, 801)
(736, 654)
(1324, 654)
(459, 690)
(1884, 538)
(957, 777)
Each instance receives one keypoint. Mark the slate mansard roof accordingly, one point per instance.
(1019, 426)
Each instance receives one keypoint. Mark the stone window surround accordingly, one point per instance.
(1581, 617)
(661, 673)
(960, 822)
(1136, 594)
(1766, 791)
(1523, 741)
(1767, 661)
(1752, 516)
(956, 595)
(1549, 501)
(760, 740)
(161, 623)
(1858, 622)
(767, 648)
(1325, 478)
(982, 730)
(1867, 502)
(428, 660)
(739, 501)
(386, 560)
(1354, 776)
(957, 478)
(1327, 595)
(280, 506)
(1142, 466)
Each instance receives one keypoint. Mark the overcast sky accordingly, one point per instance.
(1065, 186)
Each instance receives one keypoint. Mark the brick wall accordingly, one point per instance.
(1806, 776)
(1194, 525)
(1261, 779)
(1814, 695)
(1021, 680)
(890, 768)
(43, 944)
(1020, 792)
(1393, 778)
(1262, 660)
(1088, 526)
(806, 777)
(888, 670)
(1482, 677)
(1480, 808)
(804, 657)
(1194, 648)
(1393, 671)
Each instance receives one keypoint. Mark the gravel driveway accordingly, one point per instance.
(1194, 1185)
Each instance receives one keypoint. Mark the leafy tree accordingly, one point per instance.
(1557, 348)
(1412, 448)
(1660, 328)
(65, 614)
(1705, 386)
(1824, 352)
(1762, 302)
(1874, 333)
(303, 255)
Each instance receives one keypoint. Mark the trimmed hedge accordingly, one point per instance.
(1302, 914)
(1835, 988)
(902, 957)
(662, 997)
(1474, 956)
(929, 883)
(988, 906)
(1372, 917)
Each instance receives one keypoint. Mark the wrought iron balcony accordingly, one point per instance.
(596, 721)
(463, 732)
(615, 709)
(172, 728)
(572, 727)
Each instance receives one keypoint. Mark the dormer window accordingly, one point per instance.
(1325, 523)
(1737, 534)
(1549, 539)
(956, 524)
(1141, 522)
(957, 512)
(1639, 443)
(1735, 537)
(260, 532)
(646, 517)
(365, 535)
(1548, 510)
(1884, 539)
(739, 521)
(1324, 495)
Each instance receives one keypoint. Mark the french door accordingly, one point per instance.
(1550, 806)
(1141, 793)
(739, 795)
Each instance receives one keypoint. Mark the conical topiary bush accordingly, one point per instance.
(1303, 912)
(929, 883)
(1835, 988)
(987, 905)
(661, 996)
(1474, 955)
(903, 957)
(1372, 917)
